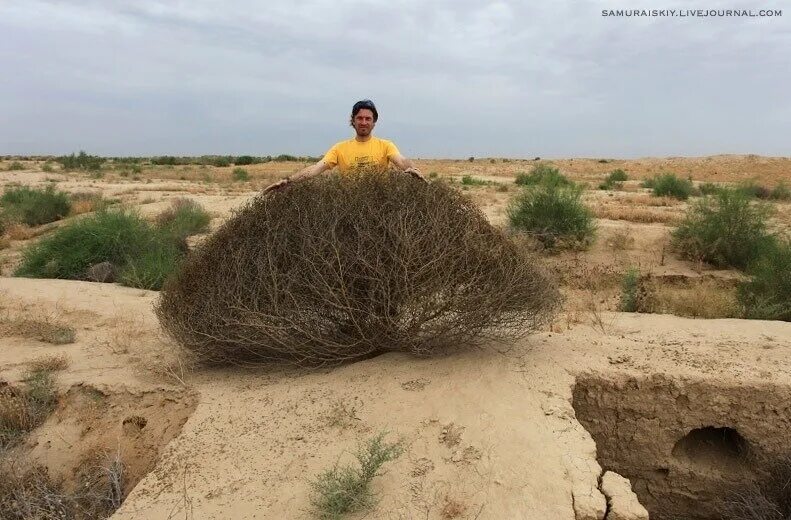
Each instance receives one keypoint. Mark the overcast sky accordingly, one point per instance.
(451, 78)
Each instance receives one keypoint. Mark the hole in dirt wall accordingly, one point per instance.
(684, 444)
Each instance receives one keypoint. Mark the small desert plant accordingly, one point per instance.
(780, 192)
(34, 206)
(23, 407)
(543, 174)
(767, 295)
(668, 185)
(86, 202)
(614, 180)
(16, 165)
(240, 174)
(341, 267)
(346, 489)
(629, 290)
(725, 230)
(47, 167)
(122, 238)
(184, 218)
(44, 330)
(708, 188)
(554, 214)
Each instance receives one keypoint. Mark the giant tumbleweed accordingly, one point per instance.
(342, 267)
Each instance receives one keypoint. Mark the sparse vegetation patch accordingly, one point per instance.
(725, 230)
(346, 489)
(668, 185)
(554, 214)
(34, 207)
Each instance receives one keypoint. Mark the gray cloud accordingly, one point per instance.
(450, 78)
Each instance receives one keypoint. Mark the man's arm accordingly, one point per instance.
(405, 164)
(305, 173)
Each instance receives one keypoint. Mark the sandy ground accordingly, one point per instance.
(490, 433)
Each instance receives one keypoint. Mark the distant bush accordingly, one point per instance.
(184, 218)
(339, 267)
(16, 165)
(708, 188)
(47, 167)
(725, 230)
(83, 161)
(767, 295)
(244, 160)
(34, 206)
(543, 174)
(781, 192)
(118, 237)
(554, 214)
(668, 185)
(240, 174)
(165, 160)
(614, 180)
(754, 190)
(285, 157)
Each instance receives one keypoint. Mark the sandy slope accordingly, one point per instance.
(511, 446)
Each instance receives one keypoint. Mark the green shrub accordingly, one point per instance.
(35, 207)
(240, 174)
(767, 295)
(629, 288)
(244, 160)
(708, 188)
(285, 157)
(725, 230)
(118, 237)
(16, 165)
(47, 167)
(543, 174)
(668, 185)
(615, 179)
(781, 192)
(150, 268)
(184, 218)
(553, 214)
(754, 190)
(648, 183)
(83, 161)
(469, 180)
(346, 489)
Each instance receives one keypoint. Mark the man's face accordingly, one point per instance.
(363, 122)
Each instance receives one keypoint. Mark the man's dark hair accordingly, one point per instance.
(365, 103)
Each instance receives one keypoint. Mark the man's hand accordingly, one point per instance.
(414, 172)
(279, 185)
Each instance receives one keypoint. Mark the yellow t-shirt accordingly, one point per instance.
(352, 154)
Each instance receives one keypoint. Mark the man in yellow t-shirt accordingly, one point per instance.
(362, 150)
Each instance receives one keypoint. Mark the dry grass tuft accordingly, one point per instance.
(644, 216)
(452, 508)
(701, 299)
(86, 202)
(23, 407)
(40, 329)
(340, 268)
(51, 363)
(19, 232)
(621, 239)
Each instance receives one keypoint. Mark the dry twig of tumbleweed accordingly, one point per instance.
(342, 267)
